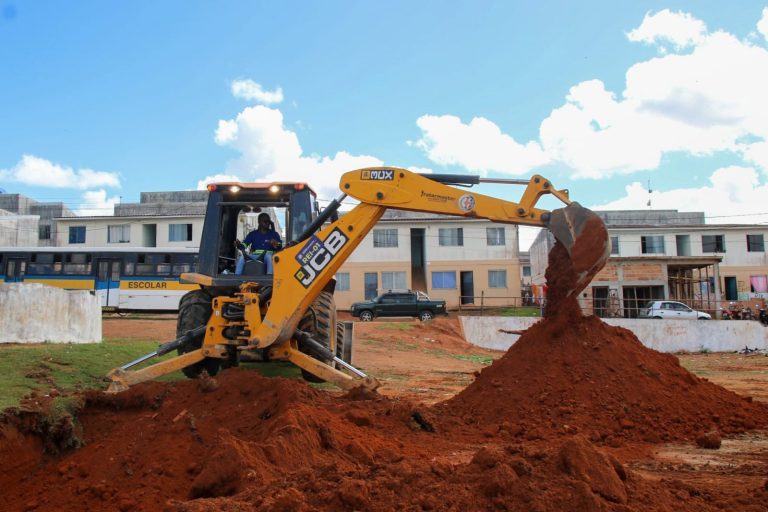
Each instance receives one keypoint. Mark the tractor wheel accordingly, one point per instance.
(343, 346)
(320, 322)
(194, 311)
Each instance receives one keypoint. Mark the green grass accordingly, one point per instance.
(526, 311)
(41, 367)
(398, 326)
(475, 358)
(69, 367)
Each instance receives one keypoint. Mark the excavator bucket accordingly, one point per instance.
(585, 238)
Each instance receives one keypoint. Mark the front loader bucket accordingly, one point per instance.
(585, 238)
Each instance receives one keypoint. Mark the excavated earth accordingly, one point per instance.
(541, 429)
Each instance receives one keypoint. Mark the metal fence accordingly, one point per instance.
(609, 307)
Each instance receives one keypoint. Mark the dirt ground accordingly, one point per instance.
(431, 362)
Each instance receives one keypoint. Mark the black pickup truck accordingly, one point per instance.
(399, 303)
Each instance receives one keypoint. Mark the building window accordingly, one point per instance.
(653, 244)
(443, 280)
(526, 271)
(385, 237)
(614, 246)
(342, 281)
(119, 233)
(758, 284)
(393, 280)
(180, 232)
(44, 232)
(77, 234)
(495, 236)
(451, 237)
(712, 243)
(497, 278)
(755, 243)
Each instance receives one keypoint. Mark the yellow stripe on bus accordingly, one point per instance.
(69, 284)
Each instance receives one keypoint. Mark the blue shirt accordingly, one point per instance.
(259, 241)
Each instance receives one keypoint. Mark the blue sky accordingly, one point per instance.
(100, 101)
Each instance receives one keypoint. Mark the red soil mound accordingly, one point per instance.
(586, 376)
(571, 373)
(270, 444)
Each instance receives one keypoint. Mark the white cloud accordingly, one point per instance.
(32, 170)
(707, 99)
(732, 193)
(479, 146)
(250, 90)
(216, 178)
(679, 28)
(757, 154)
(762, 25)
(271, 152)
(96, 203)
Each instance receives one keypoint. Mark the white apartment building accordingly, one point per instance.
(665, 254)
(463, 261)
(130, 231)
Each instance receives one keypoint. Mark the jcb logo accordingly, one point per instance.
(317, 254)
(378, 174)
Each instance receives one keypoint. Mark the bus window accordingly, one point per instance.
(183, 263)
(78, 264)
(163, 269)
(41, 264)
(45, 264)
(180, 268)
(145, 269)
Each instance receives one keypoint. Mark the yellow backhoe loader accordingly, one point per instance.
(291, 315)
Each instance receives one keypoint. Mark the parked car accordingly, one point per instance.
(399, 303)
(672, 309)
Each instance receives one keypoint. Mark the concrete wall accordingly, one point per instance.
(661, 335)
(18, 231)
(34, 313)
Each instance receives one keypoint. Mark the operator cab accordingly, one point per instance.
(231, 214)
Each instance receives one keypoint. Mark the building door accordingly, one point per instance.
(108, 282)
(15, 270)
(731, 291)
(467, 287)
(418, 266)
(371, 280)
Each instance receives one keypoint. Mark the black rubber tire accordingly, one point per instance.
(426, 315)
(194, 311)
(657, 318)
(366, 315)
(320, 322)
(343, 349)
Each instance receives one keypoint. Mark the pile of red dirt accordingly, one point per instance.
(251, 443)
(574, 374)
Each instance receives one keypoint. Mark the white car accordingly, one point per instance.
(672, 309)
